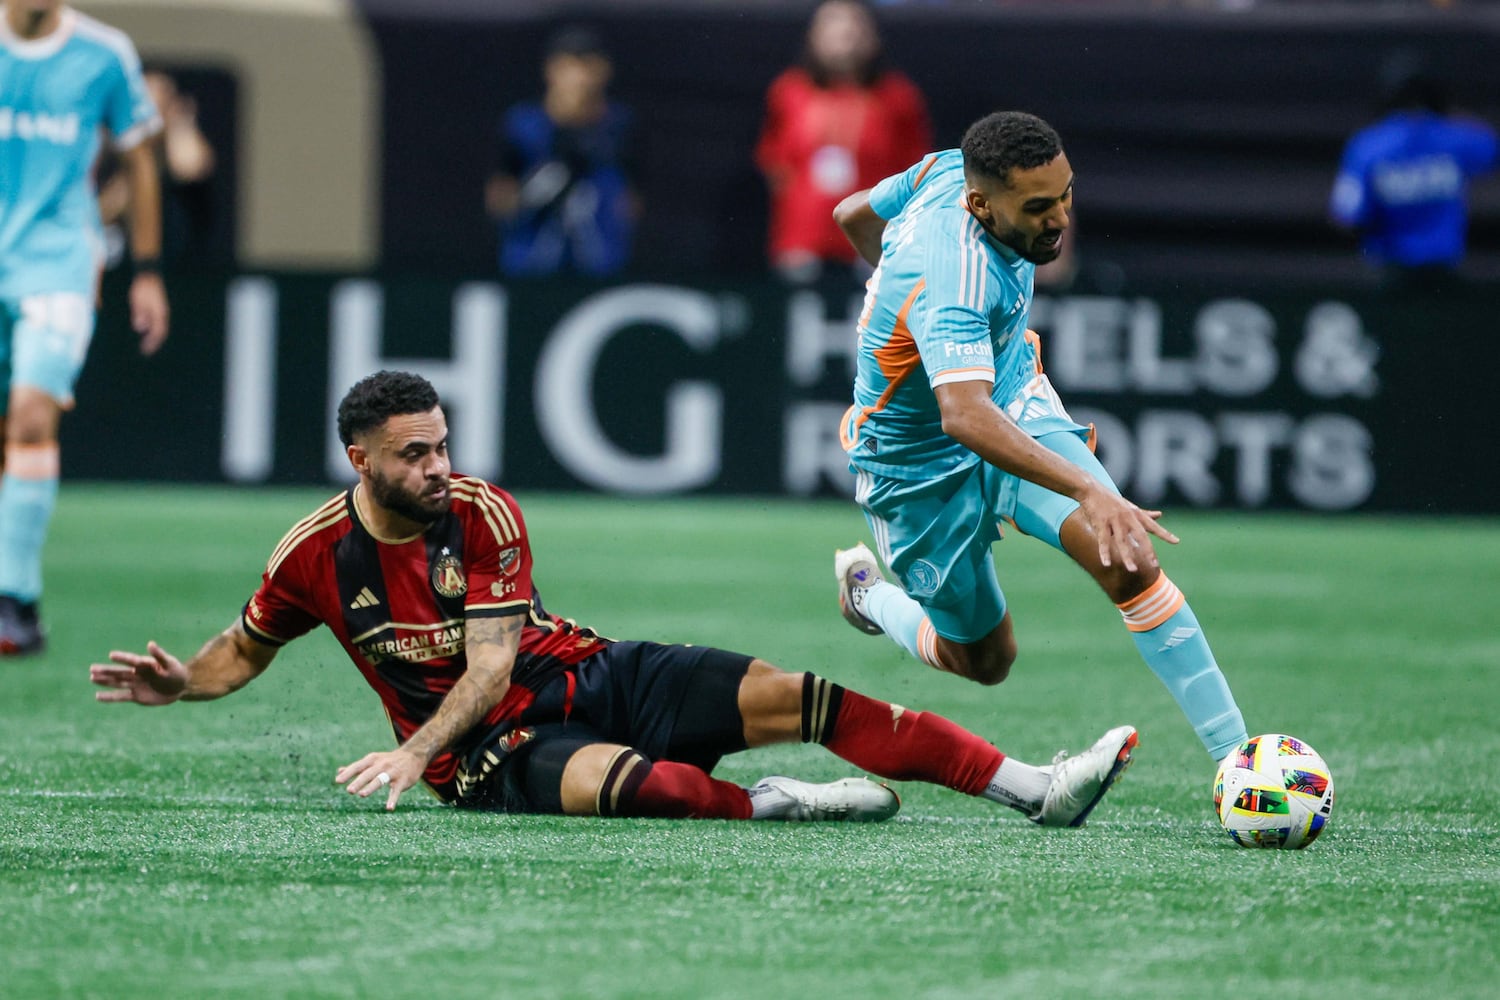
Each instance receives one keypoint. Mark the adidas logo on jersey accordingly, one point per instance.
(366, 599)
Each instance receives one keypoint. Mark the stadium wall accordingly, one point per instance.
(1205, 140)
(1232, 350)
(1254, 398)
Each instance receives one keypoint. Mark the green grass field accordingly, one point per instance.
(201, 850)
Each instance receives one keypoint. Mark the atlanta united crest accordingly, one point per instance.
(448, 575)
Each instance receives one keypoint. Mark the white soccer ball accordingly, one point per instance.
(1273, 791)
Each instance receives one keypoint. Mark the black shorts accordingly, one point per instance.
(677, 703)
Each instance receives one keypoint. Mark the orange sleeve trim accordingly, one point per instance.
(972, 373)
(1152, 607)
(922, 174)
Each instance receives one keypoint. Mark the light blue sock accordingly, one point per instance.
(1177, 653)
(887, 605)
(25, 511)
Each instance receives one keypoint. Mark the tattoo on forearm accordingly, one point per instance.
(490, 645)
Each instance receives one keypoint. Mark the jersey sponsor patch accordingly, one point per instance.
(412, 644)
(968, 352)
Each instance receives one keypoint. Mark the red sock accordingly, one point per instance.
(900, 744)
(668, 790)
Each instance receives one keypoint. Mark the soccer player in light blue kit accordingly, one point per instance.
(63, 77)
(955, 428)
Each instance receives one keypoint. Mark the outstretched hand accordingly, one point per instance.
(395, 770)
(156, 678)
(1123, 530)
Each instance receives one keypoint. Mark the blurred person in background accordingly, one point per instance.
(561, 190)
(185, 163)
(1402, 185)
(64, 77)
(836, 123)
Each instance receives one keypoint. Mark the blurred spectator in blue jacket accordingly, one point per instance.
(561, 189)
(1403, 183)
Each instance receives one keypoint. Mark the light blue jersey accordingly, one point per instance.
(56, 93)
(947, 303)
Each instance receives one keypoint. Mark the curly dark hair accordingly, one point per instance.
(376, 398)
(1008, 140)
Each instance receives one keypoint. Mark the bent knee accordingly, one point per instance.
(1123, 585)
(595, 777)
(990, 671)
(32, 418)
(989, 665)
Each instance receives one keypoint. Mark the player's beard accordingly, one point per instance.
(1045, 253)
(1030, 250)
(418, 507)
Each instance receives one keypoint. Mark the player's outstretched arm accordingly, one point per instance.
(226, 663)
(861, 225)
(972, 419)
(490, 646)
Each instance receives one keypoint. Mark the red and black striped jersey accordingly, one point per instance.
(399, 606)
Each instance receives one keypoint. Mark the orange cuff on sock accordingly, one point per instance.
(927, 644)
(1152, 606)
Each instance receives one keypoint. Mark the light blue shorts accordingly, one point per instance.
(43, 342)
(935, 535)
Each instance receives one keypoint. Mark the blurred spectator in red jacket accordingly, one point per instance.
(839, 122)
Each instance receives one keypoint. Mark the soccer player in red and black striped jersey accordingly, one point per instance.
(425, 578)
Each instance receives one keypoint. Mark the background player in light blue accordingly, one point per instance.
(955, 428)
(64, 77)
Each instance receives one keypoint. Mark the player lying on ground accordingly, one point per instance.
(955, 429)
(425, 578)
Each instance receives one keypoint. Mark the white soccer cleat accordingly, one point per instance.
(856, 568)
(849, 800)
(1078, 783)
